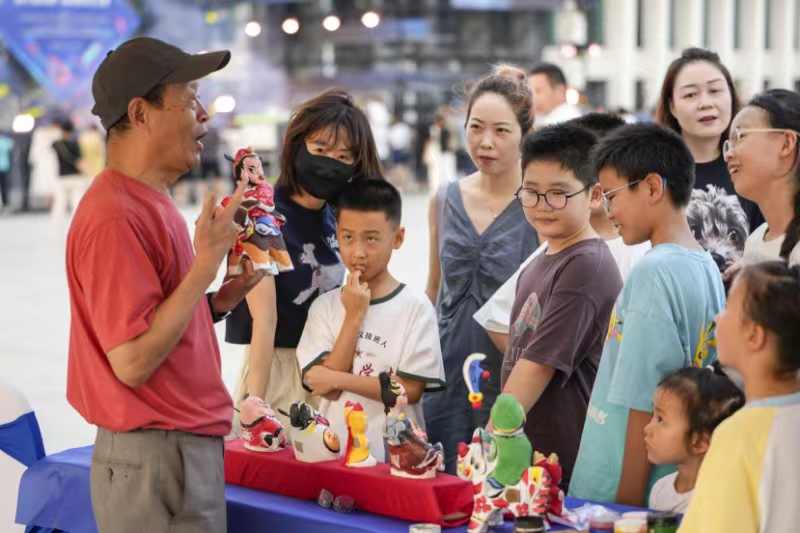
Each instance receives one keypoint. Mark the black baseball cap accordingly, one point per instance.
(137, 66)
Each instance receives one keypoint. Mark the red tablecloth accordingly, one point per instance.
(445, 500)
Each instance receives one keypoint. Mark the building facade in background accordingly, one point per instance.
(758, 40)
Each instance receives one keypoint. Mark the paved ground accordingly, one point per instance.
(35, 314)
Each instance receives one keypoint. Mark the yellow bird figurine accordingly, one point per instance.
(357, 452)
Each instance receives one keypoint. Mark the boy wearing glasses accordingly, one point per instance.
(663, 319)
(495, 313)
(564, 296)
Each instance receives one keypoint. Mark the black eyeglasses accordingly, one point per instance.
(555, 198)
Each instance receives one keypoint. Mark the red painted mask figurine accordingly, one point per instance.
(258, 223)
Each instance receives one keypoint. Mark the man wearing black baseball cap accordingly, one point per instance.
(144, 361)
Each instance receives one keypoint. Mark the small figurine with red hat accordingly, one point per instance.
(259, 225)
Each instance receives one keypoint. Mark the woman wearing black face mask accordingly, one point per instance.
(328, 143)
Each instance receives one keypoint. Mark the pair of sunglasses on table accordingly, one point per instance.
(342, 503)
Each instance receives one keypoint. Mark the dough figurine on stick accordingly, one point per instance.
(259, 225)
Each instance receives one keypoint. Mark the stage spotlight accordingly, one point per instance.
(331, 23)
(224, 104)
(23, 123)
(253, 29)
(370, 19)
(573, 96)
(290, 26)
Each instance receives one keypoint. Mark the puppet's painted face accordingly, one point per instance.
(253, 171)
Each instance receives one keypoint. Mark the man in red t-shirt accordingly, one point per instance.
(144, 362)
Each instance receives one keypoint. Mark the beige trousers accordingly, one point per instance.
(154, 481)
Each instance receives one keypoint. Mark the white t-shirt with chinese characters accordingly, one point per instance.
(496, 312)
(400, 335)
(758, 250)
(664, 497)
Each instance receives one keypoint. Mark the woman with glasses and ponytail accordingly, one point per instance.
(328, 143)
(762, 156)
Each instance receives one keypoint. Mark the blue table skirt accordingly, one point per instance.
(54, 493)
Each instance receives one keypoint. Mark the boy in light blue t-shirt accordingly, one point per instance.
(664, 317)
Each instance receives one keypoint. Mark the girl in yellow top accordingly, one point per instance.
(749, 480)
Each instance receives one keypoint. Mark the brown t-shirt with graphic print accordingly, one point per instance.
(560, 318)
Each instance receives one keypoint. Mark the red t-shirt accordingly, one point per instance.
(128, 249)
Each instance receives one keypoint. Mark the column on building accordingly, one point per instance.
(783, 67)
(656, 54)
(750, 69)
(721, 29)
(619, 34)
(689, 23)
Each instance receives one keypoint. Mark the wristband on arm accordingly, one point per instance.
(215, 317)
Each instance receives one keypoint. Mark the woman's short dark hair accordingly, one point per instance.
(664, 115)
(333, 110)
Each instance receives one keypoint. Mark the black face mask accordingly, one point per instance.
(321, 177)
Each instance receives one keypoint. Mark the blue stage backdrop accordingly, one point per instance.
(61, 42)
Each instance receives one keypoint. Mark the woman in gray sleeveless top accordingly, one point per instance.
(479, 237)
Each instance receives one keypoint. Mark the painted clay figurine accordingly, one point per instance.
(473, 373)
(310, 434)
(506, 475)
(259, 225)
(260, 428)
(510, 449)
(410, 453)
(555, 503)
(357, 452)
(536, 493)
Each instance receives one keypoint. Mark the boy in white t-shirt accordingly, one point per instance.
(372, 324)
